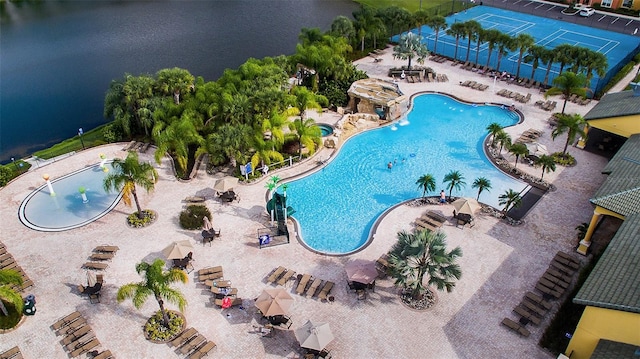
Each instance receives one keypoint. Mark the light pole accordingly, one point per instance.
(15, 164)
(80, 133)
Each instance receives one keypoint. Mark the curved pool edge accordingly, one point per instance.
(381, 216)
(23, 219)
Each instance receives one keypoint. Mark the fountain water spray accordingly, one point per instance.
(103, 162)
(51, 191)
(83, 191)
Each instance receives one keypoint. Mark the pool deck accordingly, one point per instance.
(500, 262)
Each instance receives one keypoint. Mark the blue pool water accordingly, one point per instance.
(66, 210)
(337, 205)
(325, 129)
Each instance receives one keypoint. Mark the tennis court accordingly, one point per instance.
(617, 47)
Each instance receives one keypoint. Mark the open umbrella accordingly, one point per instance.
(225, 184)
(537, 149)
(466, 205)
(178, 250)
(206, 224)
(361, 271)
(274, 302)
(314, 336)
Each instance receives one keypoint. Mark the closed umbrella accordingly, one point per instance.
(225, 184)
(178, 250)
(466, 205)
(274, 302)
(226, 302)
(91, 279)
(206, 224)
(314, 336)
(361, 271)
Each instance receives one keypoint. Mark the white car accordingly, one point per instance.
(586, 12)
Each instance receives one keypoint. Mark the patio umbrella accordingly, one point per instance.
(225, 184)
(226, 303)
(178, 250)
(314, 336)
(361, 271)
(274, 302)
(91, 279)
(537, 149)
(206, 224)
(466, 205)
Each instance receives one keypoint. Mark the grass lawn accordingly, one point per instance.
(90, 138)
(411, 5)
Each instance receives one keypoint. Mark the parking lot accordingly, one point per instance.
(601, 20)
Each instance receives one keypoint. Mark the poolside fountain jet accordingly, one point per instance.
(103, 162)
(83, 191)
(51, 191)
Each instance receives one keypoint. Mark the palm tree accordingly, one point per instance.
(9, 278)
(564, 55)
(410, 46)
(127, 174)
(494, 128)
(547, 163)
(308, 134)
(597, 62)
(437, 23)
(343, 26)
(523, 42)
(177, 138)
(568, 83)
(518, 150)
(456, 30)
(420, 254)
(491, 36)
(454, 179)
(536, 53)
(420, 17)
(156, 282)
(472, 29)
(174, 81)
(482, 184)
(481, 38)
(427, 183)
(505, 44)
(510, 199)
(229, 142)
(504, 140)
(573, 125)
(265, 151)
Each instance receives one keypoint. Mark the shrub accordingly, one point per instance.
(111, 133)
(191, 218)
(155, 329)
(6, 175)
(148, 217)
(564, 160)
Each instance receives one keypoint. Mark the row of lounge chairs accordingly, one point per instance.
(529, 135)
(141, 147)
(213, 278)
(515, 95)
(552, 285)
(12, 353)
(437, 58)
(100, 253)
(308, 285)
(546, 105)
(78, 337)
(193, 344)
(430, 220)
(7, 261)
(579, 100)
(431, 77)
(281, 276)
(474, 85)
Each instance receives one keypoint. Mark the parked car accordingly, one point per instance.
(588, 11)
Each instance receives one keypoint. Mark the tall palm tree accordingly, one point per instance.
(420, 254)
(229, 142)
(491, 36)
(481, 38)
(420, 17)
(127, 174)
(457, 30)
(568, 83)
(437, 23)
(427, 183)
(454, 179)
(9, 278)
(365, 18)
(564, 55)
(534, 56)
(174, 82)
(343, 26)
(156, 282)
(597, 62)
(505, 43)
(548, 58)
(510, 199)
(518, 150)
(482, 184)
(410, 46)
(494, 128)
(177, 138)
(472, 29)
(504, 140)
(523, 42)
(265, 151)
(572, 125)
(308, 134)
(547, 163)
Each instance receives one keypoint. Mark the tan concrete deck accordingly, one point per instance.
(500, 263)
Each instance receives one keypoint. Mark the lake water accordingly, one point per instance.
(58, 58)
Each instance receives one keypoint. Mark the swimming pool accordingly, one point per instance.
(337, 205)
(325, 129)
(67, 210)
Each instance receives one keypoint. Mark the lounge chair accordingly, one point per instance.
(302, 284)
(465, 84)
(562, 268)
(557, 281)
(311, 291)
(567, 262)
(275, 275)
(526, 315)
(550, 293)
(285, 278)
(224, 291)
(209, 270)
(568, 257)
(76, 334)
(436, 216)
(66, 320)
(210, 277)
(104, 355)
(184, 337)
(101, 256)
(11, 353)
(236, 301)
(421, 224)
(218, 283)
(85, 348)
(326, 289)
(202, 350)
(79, 342)
(516, 327)
(110, 249)
(95, 265)
(73, 326)
(192, 344)
(534, 308)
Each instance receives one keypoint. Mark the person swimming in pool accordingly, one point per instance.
(389, 165)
